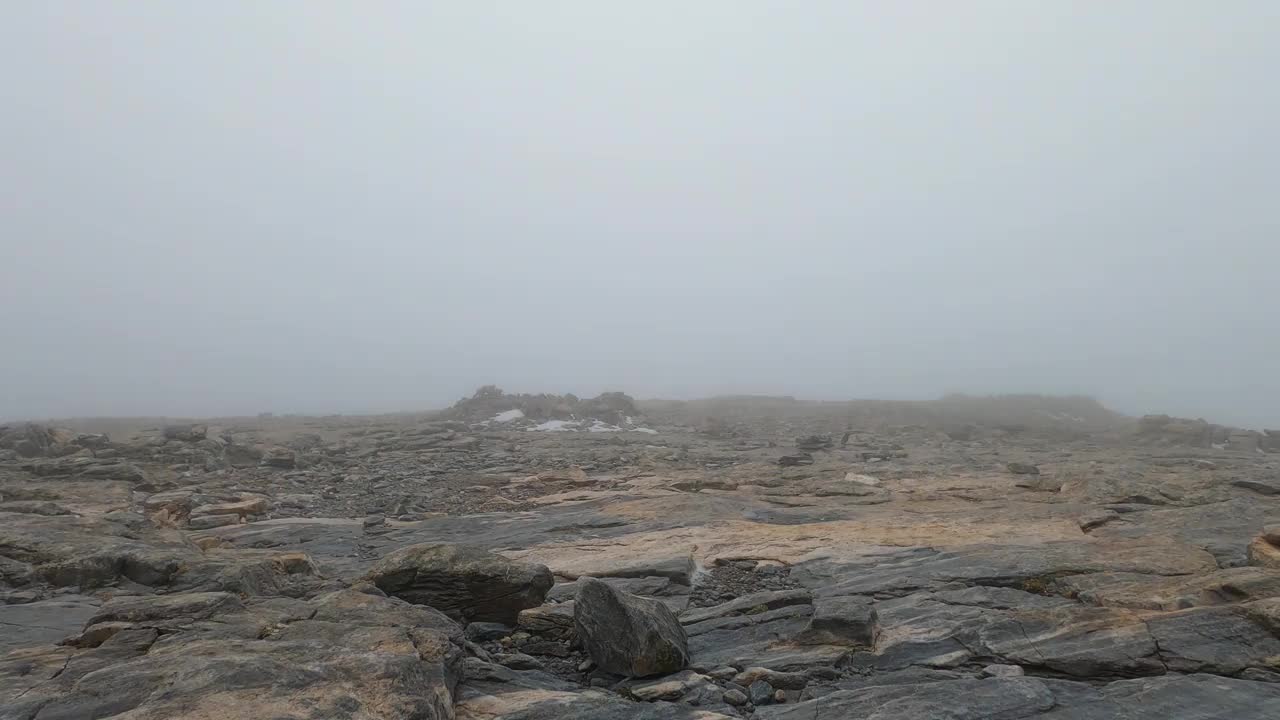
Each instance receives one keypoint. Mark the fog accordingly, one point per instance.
(234, 207)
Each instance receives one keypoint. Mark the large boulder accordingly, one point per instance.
(463, 581)
(628, 635)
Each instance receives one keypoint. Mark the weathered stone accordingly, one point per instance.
(1156, 592)
(840, 621)
(628, 635)
(795, 460)
(670, 688)
(190, 432)
(1263, 553)
(33, 507)
(346, 669)
(1271, 533)
(781, 680)
(550, 621)
(1216, 640)
(519, 661)
(1263, 487)
(1096, 519)
(760, 693)
(188, 606)
(752, 604)
(207, 522)
(243, 508)
(1002, 671)
(43, 622)
(996, 698)
(279, 457)
(463, 581)
(487, 631)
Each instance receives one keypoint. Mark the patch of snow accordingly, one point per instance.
(601, 426)
(554, 426)
(508, 416)
(648, 431)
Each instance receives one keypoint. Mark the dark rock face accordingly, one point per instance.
(628, 635)
(1018, 468)
(841, 621)
(463, 581)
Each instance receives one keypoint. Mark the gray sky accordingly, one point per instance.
(228, 207)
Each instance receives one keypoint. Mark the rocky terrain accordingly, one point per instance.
(535, 556)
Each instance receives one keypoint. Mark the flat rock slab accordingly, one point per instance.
(1169, 697)
(1004, 698)
(1157, 592)
(1001, 565)
(44, 622)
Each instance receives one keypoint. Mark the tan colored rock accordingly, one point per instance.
(243, 508)
(553, 621)
(573, 475)
(1271, 533)
(1263, 553)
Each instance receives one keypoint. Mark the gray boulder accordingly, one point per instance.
(628, 635)
(463, 581)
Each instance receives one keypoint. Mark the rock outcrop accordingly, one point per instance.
(461, 566)
(463, 581)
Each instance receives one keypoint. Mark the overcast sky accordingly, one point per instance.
(239, 206)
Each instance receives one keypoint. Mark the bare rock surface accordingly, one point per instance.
(547, 556)
(463, 580)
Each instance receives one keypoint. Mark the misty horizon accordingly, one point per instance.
(234, 208)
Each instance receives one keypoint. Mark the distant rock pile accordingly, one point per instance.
(607, 412)
(1168, 430)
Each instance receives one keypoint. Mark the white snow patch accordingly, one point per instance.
(648, 431)
(508, 416)
(601, 426)
(553, 426)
